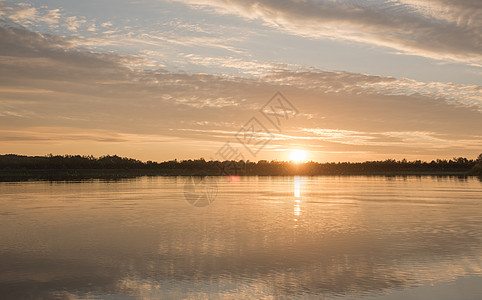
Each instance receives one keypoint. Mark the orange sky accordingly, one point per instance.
(76, 81)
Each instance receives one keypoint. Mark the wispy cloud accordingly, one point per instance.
(47, 82)
(407, 139)
(21, 13)
(409, 26)
(25, 14)
(345, 82)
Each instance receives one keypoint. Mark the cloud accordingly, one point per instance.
(46, 82)
(410, 139)
(92, 28)
(409, 26)
(21, 13)
(24, 13)
(346, 82)
(52, 17)
(73, 23)
(461, 12)
(238, 65)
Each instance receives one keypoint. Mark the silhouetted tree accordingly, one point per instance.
(262, 167)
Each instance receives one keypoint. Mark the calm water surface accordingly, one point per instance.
(262, 237)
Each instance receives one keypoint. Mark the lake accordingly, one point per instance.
(241, 238)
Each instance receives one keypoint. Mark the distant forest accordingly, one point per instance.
(12, 164)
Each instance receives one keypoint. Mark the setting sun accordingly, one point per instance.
(298, 155)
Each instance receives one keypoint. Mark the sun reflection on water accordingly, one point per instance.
(297, 198)
(297, 183)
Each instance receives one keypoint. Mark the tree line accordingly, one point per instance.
(262, 167)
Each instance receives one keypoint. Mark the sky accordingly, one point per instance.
(242, 79)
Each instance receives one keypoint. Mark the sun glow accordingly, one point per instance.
(298, 155)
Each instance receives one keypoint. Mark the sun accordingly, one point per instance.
(298, 155)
